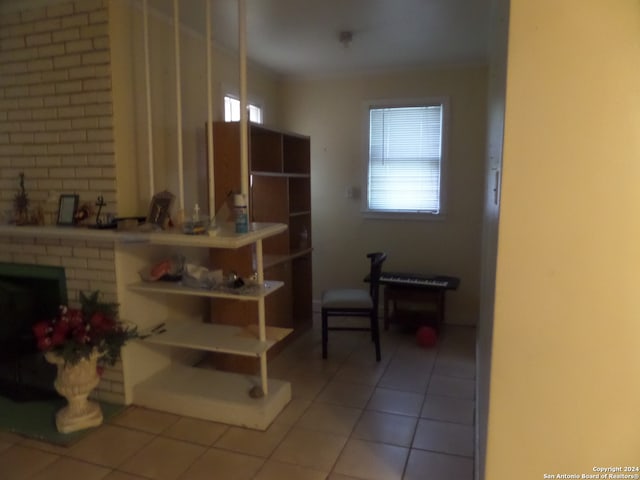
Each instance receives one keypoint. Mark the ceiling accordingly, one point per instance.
(301, 37)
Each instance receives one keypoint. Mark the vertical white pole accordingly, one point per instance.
(244, 134)
(176, 36)
(210, 169)
(147, 74)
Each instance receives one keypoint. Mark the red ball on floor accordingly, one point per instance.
(426, 336)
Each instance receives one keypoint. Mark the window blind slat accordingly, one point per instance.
(405, 158)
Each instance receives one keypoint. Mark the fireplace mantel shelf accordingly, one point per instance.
(225, 238)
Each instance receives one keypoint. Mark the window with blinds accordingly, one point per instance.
(405, 159)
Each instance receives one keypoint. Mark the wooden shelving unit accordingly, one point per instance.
(280, 191)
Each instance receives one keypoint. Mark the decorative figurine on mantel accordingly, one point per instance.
(21, 204)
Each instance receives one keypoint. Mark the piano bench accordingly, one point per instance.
(413, 307)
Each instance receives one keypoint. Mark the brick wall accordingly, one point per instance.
(56, 127)
(55, 105)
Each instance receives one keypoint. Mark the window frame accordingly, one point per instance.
(250, 103)
(444, 157)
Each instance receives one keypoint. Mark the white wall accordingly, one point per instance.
(330, 110)
(565, 377)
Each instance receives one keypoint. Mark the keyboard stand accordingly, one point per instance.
(414, 306)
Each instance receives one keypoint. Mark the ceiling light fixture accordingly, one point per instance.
(345, 37)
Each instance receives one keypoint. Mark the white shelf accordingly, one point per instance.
(224, 238)
(213, 337)
(213, 395)
(250, 293)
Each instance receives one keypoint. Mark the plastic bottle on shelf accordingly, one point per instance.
(304, 239)
(241, 213)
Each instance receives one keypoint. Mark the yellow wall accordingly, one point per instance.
(330, 110)
(565, 379)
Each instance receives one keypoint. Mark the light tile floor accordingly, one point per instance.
(409, 417)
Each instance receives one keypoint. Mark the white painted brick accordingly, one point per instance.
(107, 254)
(38, 39)
(47, 25)
(99, 110)
(69, 112)
(69, 87)
(98, 17)
(103, 70)
(75, 185)
(54, 76)
(97, 83)
(101, 43)
(101, 265)
(12, 43)
(46, 162)
(49, 184)
(73, 262)
(15, 149)
(85, 148)
(40, 65)
(47, 260)
(4, 138)
(88, 172)
(102, 160)
(61, 172)
(19, 115)
(75, 46)
(78, 285)
(67, 61)
(86, 252)
(99, 244)
(60, 10)
(41, 89)
(35, 150)
(84, 98)
(105, 147)
(24, 258)
(8, 104)
(17, 30)
(31, 103)
(33, 14)
(59, 251)
(85, 122)
(66, 35)
(21, 138)
(75, 20)
(74, 161)
(100, 135)
(73, 136)
(89, 5)
(113, 374)
(105, 122)
(96, 58)
(51, 50)
(18, 91)
(58, 124)
(94, 30)
(5, 257)
(102, 185)
(105, 287)
(44, 113)
(10, 18)
(82, 72)
(32, 126)
(45, 137)
(60, 149)
(56, 101)
(15, 67)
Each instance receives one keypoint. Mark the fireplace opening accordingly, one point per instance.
(28, 294)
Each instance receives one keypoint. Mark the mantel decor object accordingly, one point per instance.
(79, 341)
(67, 207)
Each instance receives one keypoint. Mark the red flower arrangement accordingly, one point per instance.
(74, 333)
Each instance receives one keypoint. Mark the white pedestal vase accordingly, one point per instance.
(75, 383)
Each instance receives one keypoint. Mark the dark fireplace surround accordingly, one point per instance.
(28, 293)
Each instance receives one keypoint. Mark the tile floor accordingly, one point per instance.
(409, 417)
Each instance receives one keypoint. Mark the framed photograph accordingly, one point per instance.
(67, 209)
(160, 209)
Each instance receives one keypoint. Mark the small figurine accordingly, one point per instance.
(21, 204)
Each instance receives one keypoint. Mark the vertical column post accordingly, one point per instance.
(147, 75)
(176, 38)
(210, 169)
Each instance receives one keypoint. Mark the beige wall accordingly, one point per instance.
(565, 388)
(330, 110)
